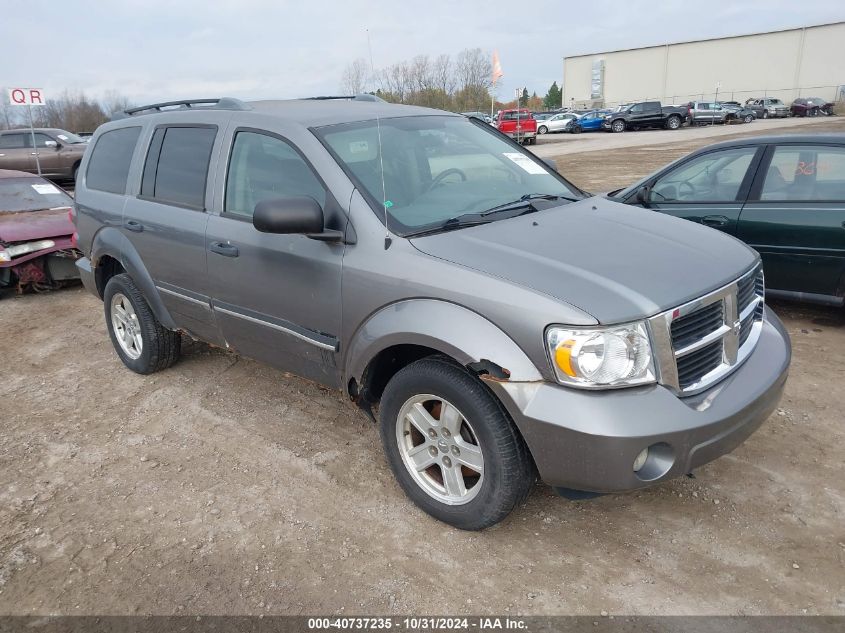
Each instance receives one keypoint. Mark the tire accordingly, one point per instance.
(73, 173)
(576, 129)
(673, 122)
(765, 114)
(152, 347)
(748, 118)
(448, 490)
(617, 126)
(542, 129)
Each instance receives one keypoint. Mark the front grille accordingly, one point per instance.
(696, 325)
(702, 341)
(692, 367)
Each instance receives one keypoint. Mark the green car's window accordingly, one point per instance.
(713, 177)
(264, 167)
(808, 172)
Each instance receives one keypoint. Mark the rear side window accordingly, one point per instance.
(108, 167)
(807, 173)
(176, 170)
(14, 141)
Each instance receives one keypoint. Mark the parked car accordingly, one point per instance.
(766, 107)
(706, 113)
(558, 123)
(482, 116)
(782, 195)
(518, 124)
(59, 152)
(737, 113)
(592, 120)
(645, 114)
(505, 323)
(36, 249)
(811, 106)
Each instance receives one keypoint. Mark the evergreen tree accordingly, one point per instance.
(552, 98)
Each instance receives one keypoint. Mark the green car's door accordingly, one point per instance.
(795, 218)
(708, 188)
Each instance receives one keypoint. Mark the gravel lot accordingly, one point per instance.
(222, 486)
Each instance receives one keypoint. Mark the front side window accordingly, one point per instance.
(437, 168)
(42, 140)
(108, 168)
(805, 173)
(713, 177)
(263, 167)
(176, 170)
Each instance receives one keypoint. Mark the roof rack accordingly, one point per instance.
(365, 96)
(221, 103)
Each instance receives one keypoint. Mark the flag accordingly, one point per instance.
(497, 68)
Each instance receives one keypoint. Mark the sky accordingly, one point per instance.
(156, 50)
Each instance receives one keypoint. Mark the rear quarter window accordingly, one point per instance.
(108, 167)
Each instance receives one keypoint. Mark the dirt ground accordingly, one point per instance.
(221, 486)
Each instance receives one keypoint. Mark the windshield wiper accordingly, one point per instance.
(524, 201)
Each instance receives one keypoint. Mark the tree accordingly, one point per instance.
(552, 98)
(354, 79)
(523, 100)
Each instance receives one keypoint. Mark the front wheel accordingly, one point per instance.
(765, 114)
(452, 447)
(748, 118)
(140, 341)
(542, 129)
(576, 129)
(618, 126)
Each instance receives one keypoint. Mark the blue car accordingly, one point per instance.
(592, 120)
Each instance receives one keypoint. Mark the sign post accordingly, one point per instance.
(29, 97)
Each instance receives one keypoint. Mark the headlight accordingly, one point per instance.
(16, 250)
(596, 358)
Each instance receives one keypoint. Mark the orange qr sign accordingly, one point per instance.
(27, 96)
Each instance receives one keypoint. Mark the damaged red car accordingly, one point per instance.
(37, 249)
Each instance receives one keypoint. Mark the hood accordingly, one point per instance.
(613, 261)
(26, 226)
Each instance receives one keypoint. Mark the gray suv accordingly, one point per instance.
(497, 322)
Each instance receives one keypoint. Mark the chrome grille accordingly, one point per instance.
(700, 342)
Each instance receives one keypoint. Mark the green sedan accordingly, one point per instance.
(783, 196)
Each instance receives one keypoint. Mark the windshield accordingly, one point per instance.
(30, 194)
(69, 138)
(437, 168)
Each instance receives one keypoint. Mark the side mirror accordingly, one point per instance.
(300, 214)
(52, 144)
(642, 195)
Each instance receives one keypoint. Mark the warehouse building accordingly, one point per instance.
(805, 62)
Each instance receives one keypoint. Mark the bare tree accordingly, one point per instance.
(9, 115)
(354, 79)
(113, 102)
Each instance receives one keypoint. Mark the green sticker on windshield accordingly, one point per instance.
(387, 204)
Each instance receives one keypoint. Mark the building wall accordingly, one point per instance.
(806, 62)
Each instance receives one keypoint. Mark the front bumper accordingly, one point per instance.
(588, 440)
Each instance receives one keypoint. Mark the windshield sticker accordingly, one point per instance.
(62, 136)
(45, 190)
(526, 163)
(359, 147)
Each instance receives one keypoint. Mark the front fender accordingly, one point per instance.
(109, 241)
(447, 327)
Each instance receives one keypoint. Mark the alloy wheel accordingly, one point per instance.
(439, 449)
(127, 328)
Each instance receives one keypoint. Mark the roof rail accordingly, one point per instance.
(221, 103)
(364, 96)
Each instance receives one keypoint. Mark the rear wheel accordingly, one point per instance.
(673, 122)
(140, 341)
(451, 446)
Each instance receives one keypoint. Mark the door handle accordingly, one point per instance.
(221, 248)
(715, 220)
(132, 225)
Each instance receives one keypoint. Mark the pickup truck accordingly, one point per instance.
(645, 114)
(520, 125)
